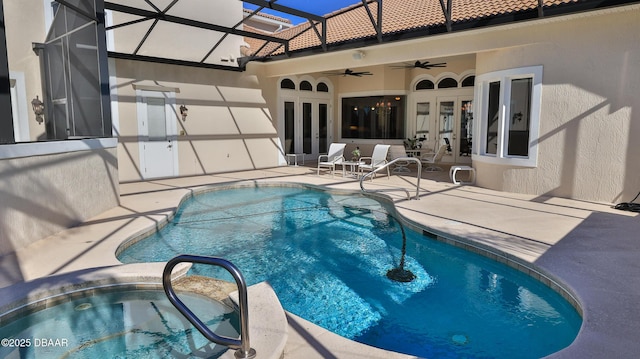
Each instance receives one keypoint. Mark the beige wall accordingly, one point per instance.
(43, 192)
(383, 78)
(229, 126)
(25, 24)
(590, 113)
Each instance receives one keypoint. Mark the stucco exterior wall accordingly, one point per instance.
(383, 79)
(590, 113)
(25, 24)
(43, 193)
(229, 126)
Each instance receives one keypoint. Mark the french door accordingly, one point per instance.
(446, 120)
(306, 126)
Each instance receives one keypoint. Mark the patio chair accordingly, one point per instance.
(432, 159)
(395, 152)
(334, 157)
(378, 159)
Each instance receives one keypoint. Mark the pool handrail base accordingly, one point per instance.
(242, 346)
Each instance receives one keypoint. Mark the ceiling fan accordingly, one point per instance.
(421, 65)
(349, 72)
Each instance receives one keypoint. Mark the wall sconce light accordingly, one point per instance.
(516, 117)
(38, 109)
(358, 55)
(184, 111)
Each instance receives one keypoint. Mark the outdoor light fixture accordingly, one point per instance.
(358, 55)
(38, 109)
(184, 111)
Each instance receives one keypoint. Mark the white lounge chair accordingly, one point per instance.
(378, 159)
(395, 152)
(334, 157)
(432, 159)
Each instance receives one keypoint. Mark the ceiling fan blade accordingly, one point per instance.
(356, 73)
(348, 72)
(419, 65)
(427, 65)
(440, 64)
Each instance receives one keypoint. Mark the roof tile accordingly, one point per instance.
(353, 22)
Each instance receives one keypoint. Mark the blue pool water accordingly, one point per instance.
(326, 256)
(121, 324)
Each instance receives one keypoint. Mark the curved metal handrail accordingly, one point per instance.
(243, 349)
(399, 159)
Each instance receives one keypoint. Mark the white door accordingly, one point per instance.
(314, 115)
(446, 126)
(425, 124)
(306, 126)
(158, 130)
(455, 127)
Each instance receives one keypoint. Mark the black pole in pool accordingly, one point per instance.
(399, 274)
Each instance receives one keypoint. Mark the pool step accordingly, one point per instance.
(267, 322)
(309, 341)
(276, 334)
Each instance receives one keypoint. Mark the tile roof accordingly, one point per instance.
(353, 22)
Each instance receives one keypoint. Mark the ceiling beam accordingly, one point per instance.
(189, 22)
(163, 60)
(377, 24)
(446, 11)
(540, 8)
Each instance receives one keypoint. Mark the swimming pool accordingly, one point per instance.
(115, 323)
(326, 254)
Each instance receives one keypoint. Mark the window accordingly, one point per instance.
(469, 81)
(423, 120)
(447, 82)
(519, 117)
(509, 114)
(307, 127)
(322, 87)
(306, 86)
(289, 127)
(287, 84)
(493, 112)
(375, 117)
(425, 85)
(157, 119)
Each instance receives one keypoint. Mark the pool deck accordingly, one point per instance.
(589, 248)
